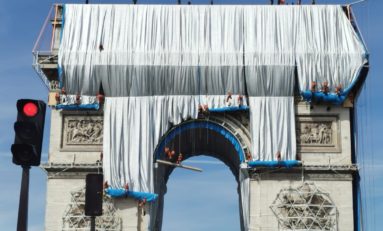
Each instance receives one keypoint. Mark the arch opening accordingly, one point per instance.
(203, 201)
(196, 138)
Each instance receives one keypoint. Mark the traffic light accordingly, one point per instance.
(29, 130)
(93, 194)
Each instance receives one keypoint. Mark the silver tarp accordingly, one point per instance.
(158, 63)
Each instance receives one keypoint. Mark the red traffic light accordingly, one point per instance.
(30, 109)
(29, 131)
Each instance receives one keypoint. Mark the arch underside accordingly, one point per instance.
(194, 138)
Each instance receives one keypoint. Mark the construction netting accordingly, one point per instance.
(158, 64)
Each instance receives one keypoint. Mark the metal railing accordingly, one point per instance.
(45, 49)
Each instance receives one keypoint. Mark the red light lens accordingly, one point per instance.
(30, 109)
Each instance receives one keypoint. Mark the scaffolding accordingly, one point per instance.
(45, 50)
(74, 218)
(305, 208)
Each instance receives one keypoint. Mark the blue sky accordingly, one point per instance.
(20, 23)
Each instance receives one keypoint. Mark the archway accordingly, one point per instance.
(221, 136)
(201, 200)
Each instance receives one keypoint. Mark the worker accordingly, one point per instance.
(325, 87)
(54, 85)
(172, 153)
(57, 96)
(63, 95)
(169, 153)
(105, 185)
(229, 99)
(338, 89)
(203, 108)
(100, 98)
(126, 187)
(281, 2)
(248, 156)
(313, 87)
(141, 204)
(278, 156)
(78, 98)
(240, 100)
(179, 159)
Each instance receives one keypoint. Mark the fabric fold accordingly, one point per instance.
(157, 64)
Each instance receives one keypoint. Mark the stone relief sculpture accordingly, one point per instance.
(315, 133)
(82, 131)
(318, 134)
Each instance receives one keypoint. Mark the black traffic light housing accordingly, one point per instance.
(29, 130)
(93, 194)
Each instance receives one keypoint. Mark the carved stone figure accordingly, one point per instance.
(83, 131)
(315, 133)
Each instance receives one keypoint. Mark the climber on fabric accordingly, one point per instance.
(240, 100)
(278, 156)
(338, 89)
(179, 159)
(229, 99)
(313, 86)
(325, 88)
(248, 156)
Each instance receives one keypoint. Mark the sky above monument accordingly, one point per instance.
(20, 24)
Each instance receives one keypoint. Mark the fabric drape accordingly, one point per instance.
(156, 64)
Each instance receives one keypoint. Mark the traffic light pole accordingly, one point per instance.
(22, 219)
(26, 149)
(92, 223)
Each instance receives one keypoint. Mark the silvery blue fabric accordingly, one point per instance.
(157, 64)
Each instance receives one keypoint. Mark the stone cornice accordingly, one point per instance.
(57, 170)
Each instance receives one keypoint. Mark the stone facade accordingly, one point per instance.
(82, 132)
(323, 139)
(59, 197)
(264, 190)
(323, 143)
(323, 135)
